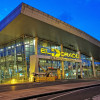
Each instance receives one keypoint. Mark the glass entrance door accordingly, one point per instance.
(51, 67)
(72, 70)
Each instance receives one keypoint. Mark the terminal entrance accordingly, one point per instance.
(51, 67)
(72, 70)
(54, 68)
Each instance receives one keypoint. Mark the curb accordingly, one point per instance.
(46, 82)
(56, 92)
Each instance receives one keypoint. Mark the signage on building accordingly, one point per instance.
(58, 53)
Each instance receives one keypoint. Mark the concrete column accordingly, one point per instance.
(36, 53)
(62, 64)
(36, 45)
(33, 66)
(34, 61)
(76, 70)
(93, 66)
(81, 69)
(63, 72)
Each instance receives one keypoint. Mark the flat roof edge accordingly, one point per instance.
(39, 15)
(10, 17)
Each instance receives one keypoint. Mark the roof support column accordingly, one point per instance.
(34, 61)
(36, 53)
(81, 69)
(93, 66)
(62, 64)
(36, 45)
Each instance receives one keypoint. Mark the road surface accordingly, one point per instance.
(92, 93)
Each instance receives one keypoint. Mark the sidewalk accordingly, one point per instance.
(43, 90)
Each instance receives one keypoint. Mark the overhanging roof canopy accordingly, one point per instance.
(27, 20)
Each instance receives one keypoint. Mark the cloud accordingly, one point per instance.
(65, 17)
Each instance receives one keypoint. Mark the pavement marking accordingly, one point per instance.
(61, 95)
(70, 93)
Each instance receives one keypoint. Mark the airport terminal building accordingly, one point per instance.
(33, 42)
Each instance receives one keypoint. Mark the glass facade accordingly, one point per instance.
(15, 58)
(69, 51)
(72, 70)
(12, 61)
(49, 66)
(97, 68)
(87, 66)
(47, 45)
(15, 61)
(29, 44)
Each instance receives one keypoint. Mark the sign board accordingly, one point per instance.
(58, 53)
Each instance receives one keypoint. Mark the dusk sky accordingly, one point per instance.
(82, 14)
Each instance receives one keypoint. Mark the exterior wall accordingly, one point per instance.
(23, 13)
(97, 68)
(19, 60)
(15, 59)
(12, 61)
(85, 71)
(87, 66)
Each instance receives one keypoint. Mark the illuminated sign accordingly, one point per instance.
(57, 53)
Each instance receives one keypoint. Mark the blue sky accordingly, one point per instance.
(82, 14)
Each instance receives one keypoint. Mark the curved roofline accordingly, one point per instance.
(10, 17)
(30, 11)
